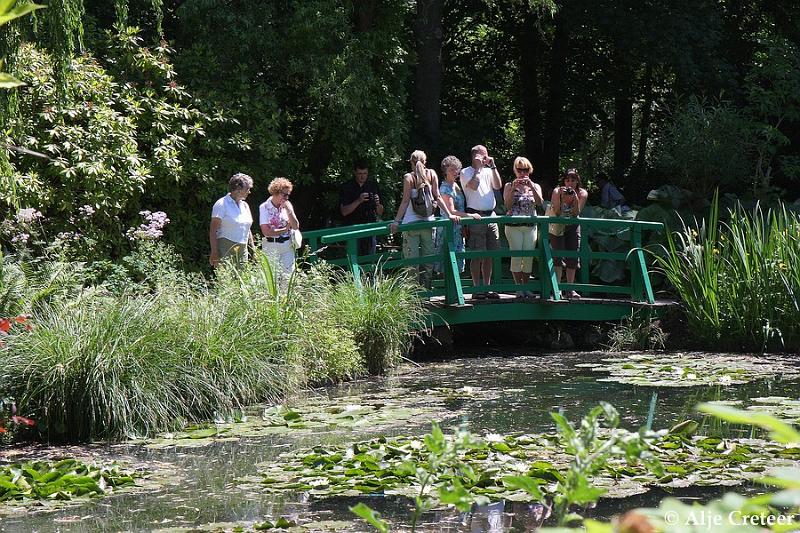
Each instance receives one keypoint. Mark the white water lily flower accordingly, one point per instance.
(725, 380)
(678, 371)
(467, 388)
(351, 407)
(416, 444)
(691, 376)
(494, 437)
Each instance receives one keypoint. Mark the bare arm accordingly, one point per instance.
(583, 195)
(555, 201)
(293, 222)
(472, 183)
(508, 196)
(401, 209)
(537, 193)
(346, 209)
(440, 200)
(497, 182)
(213, 259)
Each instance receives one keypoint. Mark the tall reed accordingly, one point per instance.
(739, 281)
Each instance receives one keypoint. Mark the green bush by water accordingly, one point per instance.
(104, 364)
(739, 281)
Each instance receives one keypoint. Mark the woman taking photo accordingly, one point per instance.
(567, 200)
(453, 196)
(277, 220)
(521, 197)
(231, 220)
(420, 193)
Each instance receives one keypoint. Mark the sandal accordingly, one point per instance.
(492, 295)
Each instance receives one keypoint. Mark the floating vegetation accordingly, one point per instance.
(48, 484)
(693, 369)
(372, 411)
(279, 524)
(387, 466)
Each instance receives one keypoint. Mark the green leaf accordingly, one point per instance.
(528, 484)
(372, 517)
(7, 15)
(7, 81)
(780, 431)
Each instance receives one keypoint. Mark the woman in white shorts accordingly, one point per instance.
(277, 220)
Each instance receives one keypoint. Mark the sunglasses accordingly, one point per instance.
(528, 170)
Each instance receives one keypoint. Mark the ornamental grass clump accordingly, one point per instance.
(383, 315)
(739, 281)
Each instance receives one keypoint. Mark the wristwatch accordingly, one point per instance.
(491, 167)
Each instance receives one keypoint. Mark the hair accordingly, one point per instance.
(360, 164)
(523, 162)
(240, 181)
(418, 159)
(451, 161)
(478, 149)
(572, 172)
(279, 185)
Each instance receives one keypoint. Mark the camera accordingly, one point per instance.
(373, 198)
(569, 191)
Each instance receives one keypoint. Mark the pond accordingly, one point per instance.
(212, 483)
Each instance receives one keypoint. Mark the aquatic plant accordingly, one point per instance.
(640, 331)
(739, 281)
(64, 480)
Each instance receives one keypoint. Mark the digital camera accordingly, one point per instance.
(569, 191)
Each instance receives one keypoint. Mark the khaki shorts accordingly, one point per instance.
(483, 237)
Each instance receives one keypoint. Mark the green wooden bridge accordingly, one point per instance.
(446, 298)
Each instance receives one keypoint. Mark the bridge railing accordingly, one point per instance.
(453, 287)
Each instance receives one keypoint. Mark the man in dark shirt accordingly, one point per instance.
(360, 203)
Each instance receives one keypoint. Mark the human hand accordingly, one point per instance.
(377, 199)
(475, 216)
(488, 161)
(455, 218)
(213, 259)
(364, 197)
(393, 227)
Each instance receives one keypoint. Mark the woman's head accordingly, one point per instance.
(451, 166)
(280, 188)
(418, 160)
(572, 179)
(240, 182)
(522, 167)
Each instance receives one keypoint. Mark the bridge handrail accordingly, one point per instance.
(344, 233)
(640, 288)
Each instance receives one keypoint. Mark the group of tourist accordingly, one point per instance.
(230, 234)
(463, 193)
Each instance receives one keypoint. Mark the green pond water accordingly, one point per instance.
(216, 483)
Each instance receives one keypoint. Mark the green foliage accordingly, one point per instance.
(373, 518)
(638, 332)
(125, 134)
(64, 480)
(382, 314)
(754, 253)
(591, 452)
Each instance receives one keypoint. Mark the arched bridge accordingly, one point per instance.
(449, 300)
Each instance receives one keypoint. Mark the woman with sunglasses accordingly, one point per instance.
(567, 200)
(521, 196)
(277, 220)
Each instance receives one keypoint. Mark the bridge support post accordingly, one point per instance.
(549, 281)
(352, 259)
(454, 293)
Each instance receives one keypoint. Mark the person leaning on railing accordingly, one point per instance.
(453, 196)
(229, 234)
(420, 193)
(567, 200)
(521, 196)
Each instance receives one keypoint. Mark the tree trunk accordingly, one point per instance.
(647, 116)
(428, 34)
(555, 103)
(623, 131)
(530, 50)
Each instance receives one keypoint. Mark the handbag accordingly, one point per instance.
(555, 229)
(297, 239)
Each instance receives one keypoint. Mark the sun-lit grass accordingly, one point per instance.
(110, 365)
(739, 281)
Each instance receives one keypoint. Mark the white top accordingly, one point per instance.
(236, 219)
(410, 215)
(273, 216)
(481, 199)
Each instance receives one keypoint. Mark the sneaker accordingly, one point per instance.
(521, 294)
(492, 295)
(572, 295)
(478, 295)
(529, 294)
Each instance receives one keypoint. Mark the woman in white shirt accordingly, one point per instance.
(231, 221)
(277, 220)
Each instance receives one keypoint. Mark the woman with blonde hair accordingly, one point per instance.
(420, 194)
(521, 196)
(277, 220)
